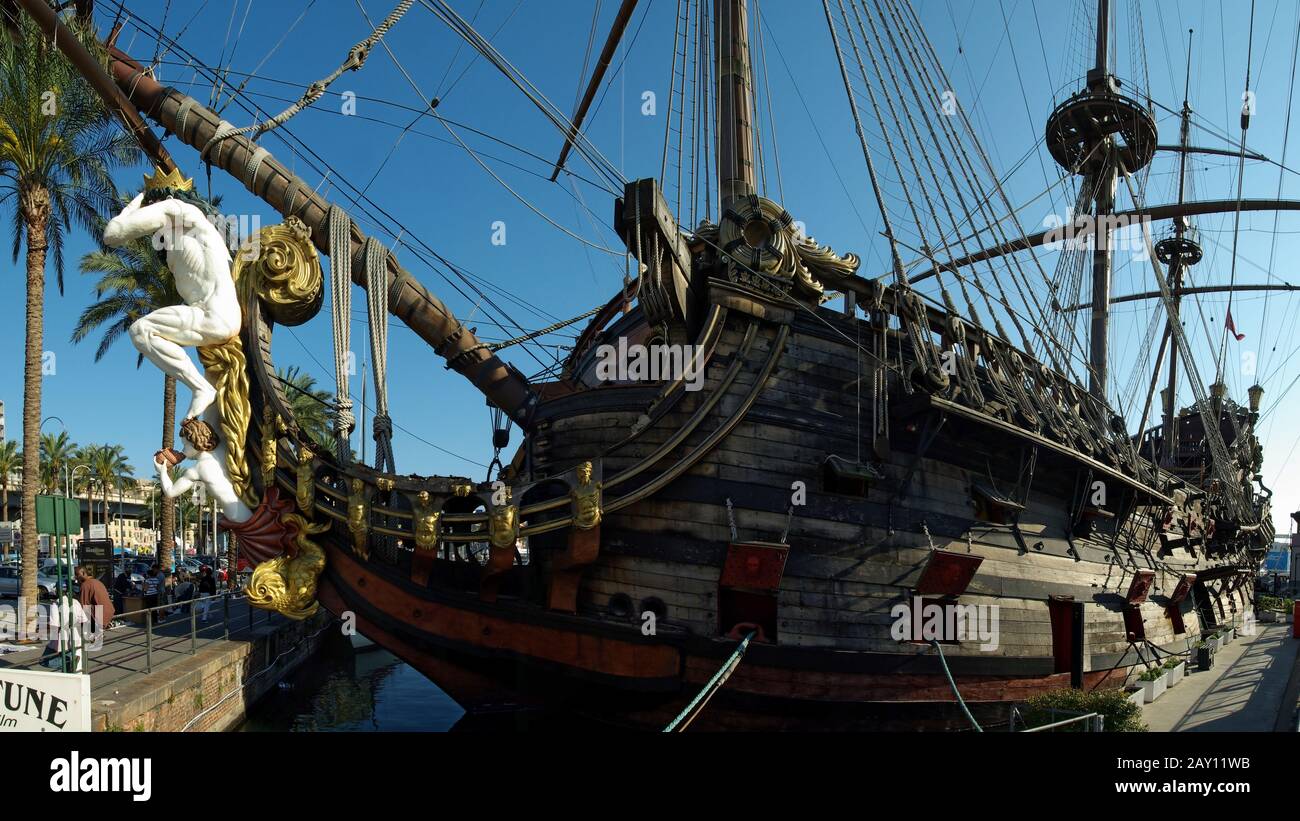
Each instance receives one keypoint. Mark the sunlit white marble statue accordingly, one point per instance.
(196, 254)
(209, 470)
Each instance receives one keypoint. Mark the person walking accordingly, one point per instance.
(183, 591)
(207, 588)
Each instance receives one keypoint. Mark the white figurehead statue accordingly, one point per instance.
(196, 254)
(209, 470)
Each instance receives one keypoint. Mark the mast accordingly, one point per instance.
(1178, 255)
(735, 100)
(1103, 180)
(1099, 133)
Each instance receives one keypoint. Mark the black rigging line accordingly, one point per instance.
(308, 154)
(365, 408)
(408, 108)
(455, 55)
(1286, 137)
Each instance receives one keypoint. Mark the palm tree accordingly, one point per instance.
(57, 452)
(58, 149)
(133, 282)
(11, 461)
(310, 406)
(110, 468)
(82, 483)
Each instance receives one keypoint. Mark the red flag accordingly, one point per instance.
(1232, 327)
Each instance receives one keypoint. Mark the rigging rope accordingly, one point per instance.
(340, 237)
(543, 331)
(1247, 108)
(692, 710)
(355, 59)
(957, 693)
(376, 256)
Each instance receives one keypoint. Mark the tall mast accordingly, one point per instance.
(1179, 253)
(1103, 180)
(735, 100)
(1099, 134)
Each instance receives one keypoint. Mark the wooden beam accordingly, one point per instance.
(602, 64)
(90, 68)
(1154, 212)
(1200, 289)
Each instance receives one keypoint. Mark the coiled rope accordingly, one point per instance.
(697, 705)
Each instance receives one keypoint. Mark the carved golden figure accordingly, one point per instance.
(306, 489)
(288, 585)
(359, 519)
(586, 499)
(426, 522)
(503, 529)
(462, 489)
(270, 441)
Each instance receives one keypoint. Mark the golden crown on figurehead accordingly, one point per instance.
(171, 179)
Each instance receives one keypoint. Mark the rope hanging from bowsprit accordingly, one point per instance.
(340, 236)
(356, 59)
(376, 256)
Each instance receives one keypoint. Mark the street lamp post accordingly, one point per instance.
(68, 479)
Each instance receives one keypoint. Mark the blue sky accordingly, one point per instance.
(445, 200)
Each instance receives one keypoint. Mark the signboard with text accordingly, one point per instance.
(40, 702)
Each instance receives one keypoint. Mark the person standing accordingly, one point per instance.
(121, 587)
(94, 600)
(152, 586)
(207, 588)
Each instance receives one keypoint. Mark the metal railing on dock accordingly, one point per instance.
(1091, 722)
(138, 640)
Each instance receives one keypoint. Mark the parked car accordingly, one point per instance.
(11, 582)
(50, 567)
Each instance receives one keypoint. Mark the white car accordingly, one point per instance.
(11, 580)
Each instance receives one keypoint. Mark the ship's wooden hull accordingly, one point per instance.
(852, 560)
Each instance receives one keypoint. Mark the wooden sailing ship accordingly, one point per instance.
(835, 463)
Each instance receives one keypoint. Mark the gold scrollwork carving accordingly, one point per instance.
(286, 584)
(283, 269)
(462, 489)
(385, 483)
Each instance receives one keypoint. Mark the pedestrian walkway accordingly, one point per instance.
(184, 674)
(129, 653)
(1249, 688)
